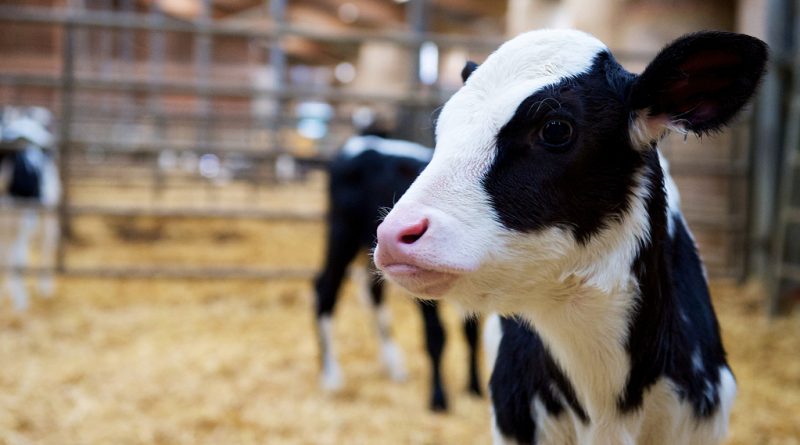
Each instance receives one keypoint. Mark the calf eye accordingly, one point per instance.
(556, 134)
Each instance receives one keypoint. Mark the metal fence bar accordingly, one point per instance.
(157, 23)
(167, 273)
(730, 223)
(65, 135)
(215, 89)
(135, 21)
(184, 212)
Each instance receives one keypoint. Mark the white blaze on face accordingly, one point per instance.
(463, 227)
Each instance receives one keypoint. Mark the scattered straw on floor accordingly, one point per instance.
(218, 363)
(169, 362)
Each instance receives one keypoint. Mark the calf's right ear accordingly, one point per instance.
(698, 82)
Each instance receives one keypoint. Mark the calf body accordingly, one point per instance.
(366, 178)
(30, 179)
(547, 201)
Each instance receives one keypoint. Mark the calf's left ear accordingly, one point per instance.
(699, 82)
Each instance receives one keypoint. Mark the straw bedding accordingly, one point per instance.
(235, 362)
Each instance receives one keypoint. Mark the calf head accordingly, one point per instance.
(546, 172)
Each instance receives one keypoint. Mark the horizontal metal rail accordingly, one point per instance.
(119, 20)
(723, 223)
(89, 83)
(261, 151)
(157, 272)
(191, 213)
(267, 31)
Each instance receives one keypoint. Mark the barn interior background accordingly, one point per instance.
(191, 138)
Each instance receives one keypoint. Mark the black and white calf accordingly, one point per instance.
(366, 178)
(546, 201)
(29, 179)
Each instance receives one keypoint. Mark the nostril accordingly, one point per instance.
(412, 233)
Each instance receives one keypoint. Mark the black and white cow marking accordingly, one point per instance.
(369, 175)
(546, 201)
(29, 178)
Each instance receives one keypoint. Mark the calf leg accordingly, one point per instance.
(50, 237)
(471, 326)
(434, 341)
(18, 258)
(342, 248)
(391, 355)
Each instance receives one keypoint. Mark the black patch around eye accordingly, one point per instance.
(582, 187)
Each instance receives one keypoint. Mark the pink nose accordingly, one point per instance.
(410, 233)
(396, 236)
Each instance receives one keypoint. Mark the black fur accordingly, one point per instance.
(527, 370)
(582, 187)
(361, 189)
(26, 177)
(661, 342)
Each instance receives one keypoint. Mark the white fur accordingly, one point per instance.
(492, 335)
(387, 147)
(673, 196)
(391, 355)
(671, 420)
(27, 221)
(553, 430)
(331, 379)
(360, 276)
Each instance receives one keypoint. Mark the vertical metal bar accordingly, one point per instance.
(81, 47)
(64, 141)
(791, 148)
(740, 207)
(156, 76)
(416, 17)
(126, 62)
(277, 61)
(417, 20)
(202, 67)
(105, 58)
(765, 153)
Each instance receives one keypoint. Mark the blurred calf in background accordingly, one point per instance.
(29, 181)
(369, 174)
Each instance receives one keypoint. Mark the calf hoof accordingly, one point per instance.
(439, 402)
